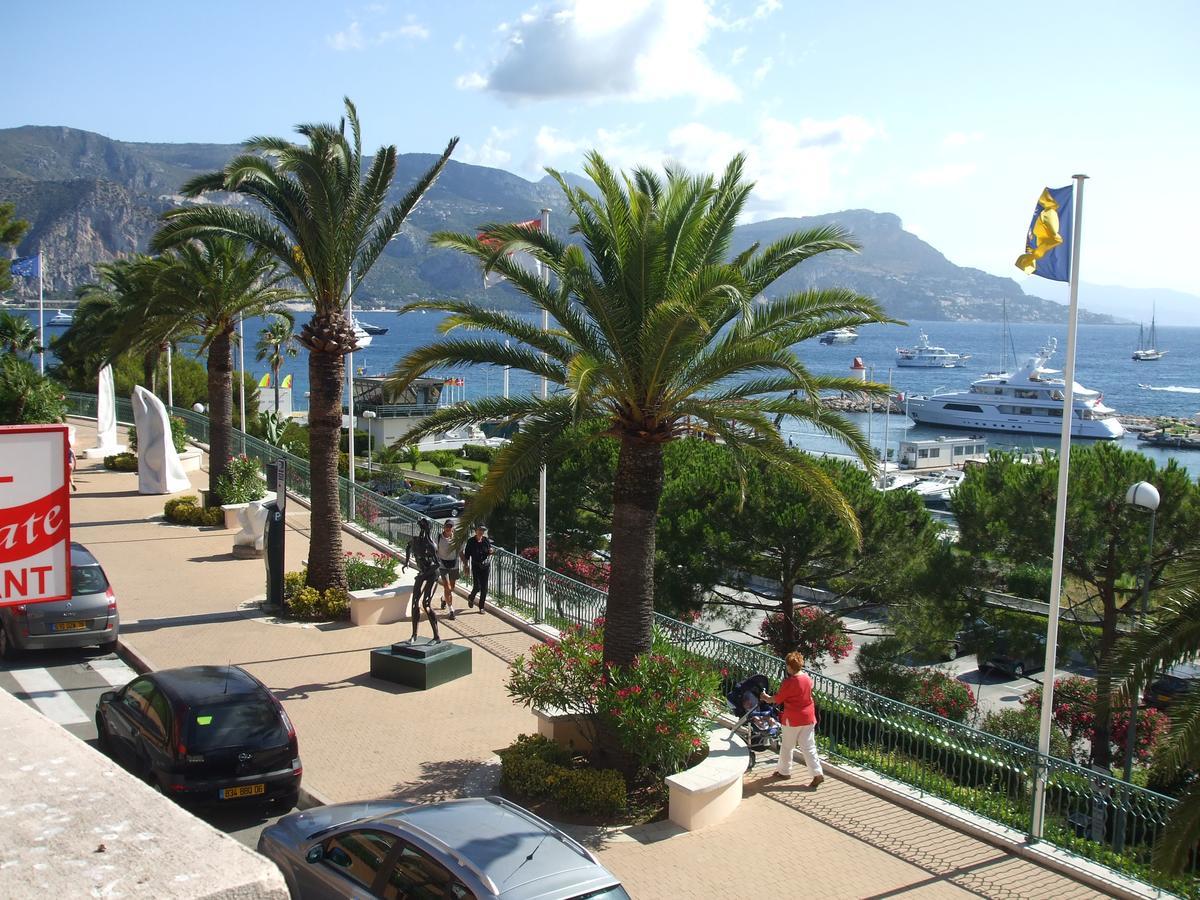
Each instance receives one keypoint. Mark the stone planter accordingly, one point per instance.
(709, 791)
(233, 511)
(251, 519)
(382, 606)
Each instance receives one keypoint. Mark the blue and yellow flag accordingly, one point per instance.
(27, 266)
(1048, 243)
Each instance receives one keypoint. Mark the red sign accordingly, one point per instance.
(35, 514)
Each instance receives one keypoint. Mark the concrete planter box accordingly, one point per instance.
(190, 459)
(233, 510)
(382, 606)
(708, 792)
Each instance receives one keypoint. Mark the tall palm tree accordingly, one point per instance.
(17, 334)
(274, 345)
(98, 333)
(203, 287)
(656, 329)
(1172, 636)
(325, 219)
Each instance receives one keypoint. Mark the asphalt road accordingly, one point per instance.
(65, 685)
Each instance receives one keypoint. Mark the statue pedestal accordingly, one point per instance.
(101, 452)
(421, 664)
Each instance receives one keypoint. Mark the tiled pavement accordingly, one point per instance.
(181, 595)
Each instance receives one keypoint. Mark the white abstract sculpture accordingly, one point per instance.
(159, 469)
(253, 519)
(106, 418)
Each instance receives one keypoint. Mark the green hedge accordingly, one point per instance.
(122, 462)
(479, 453)
(535, 768)
(187, 511)
(310, 605)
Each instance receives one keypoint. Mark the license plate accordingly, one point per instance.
(1164, 698)
(70, 626)
(246, 790)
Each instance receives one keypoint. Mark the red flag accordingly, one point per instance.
(486, 238)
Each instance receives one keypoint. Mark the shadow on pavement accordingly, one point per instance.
(440, 780)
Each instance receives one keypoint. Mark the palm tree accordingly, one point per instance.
(274, 346)
(657, 329)
(99, 332)
(203, 287)
(17, 334)
(1172, 636)
(325, 220)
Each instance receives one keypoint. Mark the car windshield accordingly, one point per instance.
(252, 722)
(88, 580)
(616, 892)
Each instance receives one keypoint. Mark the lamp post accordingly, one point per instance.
(1145, 495)
(369, 414)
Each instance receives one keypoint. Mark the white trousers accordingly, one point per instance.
(805, 736)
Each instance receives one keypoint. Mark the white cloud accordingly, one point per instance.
(763, 70)
(460, 44)
(353, 38)
(940, 176)
(490, 152)
(472, 81)
(738, 54)
(961, 138)
(798, 167)
(637, 49)
(767, 7)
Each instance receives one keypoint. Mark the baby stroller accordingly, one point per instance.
(758, 722)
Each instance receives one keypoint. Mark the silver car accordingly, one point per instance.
(88, 619)
(458, 849)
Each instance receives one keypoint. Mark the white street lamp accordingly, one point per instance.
(198, 407)
(369, 414)
(1144, 495)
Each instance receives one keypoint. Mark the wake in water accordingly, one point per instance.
(1173, 389)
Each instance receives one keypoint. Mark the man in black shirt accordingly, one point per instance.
(477, 557)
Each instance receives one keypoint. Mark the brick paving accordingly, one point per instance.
(183, 601)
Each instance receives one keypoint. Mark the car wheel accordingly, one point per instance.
(288, 801)
(103, 741)
(8, 650)
(109, 646)
(1019, 670)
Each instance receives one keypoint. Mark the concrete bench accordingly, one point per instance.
(381, 606)
(707, 793)
(562, 728)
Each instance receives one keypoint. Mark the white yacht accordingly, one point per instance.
(362, 337)
(937, 490)
(61, 319)
(1024, 401)
(845, 335)
(926, 356)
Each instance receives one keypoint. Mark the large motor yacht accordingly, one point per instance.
(845, 335)
(924, 355)
(1025, 401)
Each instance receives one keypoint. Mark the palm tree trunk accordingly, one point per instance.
(220, 405)
(637, 488)
(275, 380)
(326, 375)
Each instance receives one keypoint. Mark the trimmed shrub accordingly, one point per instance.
(309, 604)
(363, 573)
(443, 459)
(121, 462)
(535, 768)
(479, 452)
(187, 511)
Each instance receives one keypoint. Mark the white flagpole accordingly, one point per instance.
(350, 392)
(1060, 519)
(506, 377)
(170, 379)
(545, 226)
(41, 318)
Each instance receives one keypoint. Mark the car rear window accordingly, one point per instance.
(252, 723)
(88, 580)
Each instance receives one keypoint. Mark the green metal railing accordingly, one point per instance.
(980, 772)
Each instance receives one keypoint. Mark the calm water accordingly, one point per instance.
(1170, 386)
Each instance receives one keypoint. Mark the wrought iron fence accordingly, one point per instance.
(1087, 813)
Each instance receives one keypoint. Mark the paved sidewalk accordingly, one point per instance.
(184, 600)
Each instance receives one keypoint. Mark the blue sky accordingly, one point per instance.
(951, 115)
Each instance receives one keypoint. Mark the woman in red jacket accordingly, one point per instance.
(799, 720)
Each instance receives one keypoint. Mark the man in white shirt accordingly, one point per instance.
(448, 558)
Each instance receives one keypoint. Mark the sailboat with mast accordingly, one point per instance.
(1147, 348)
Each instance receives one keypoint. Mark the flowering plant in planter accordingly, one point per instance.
(942, 694)
(817, 635)
(367, 573)
(573, 565)
(657, 709)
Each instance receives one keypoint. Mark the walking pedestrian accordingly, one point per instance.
(71, 466)
(477, 558)
(799, 720)
(448, 559)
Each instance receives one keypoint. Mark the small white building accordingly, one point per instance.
(941, 452)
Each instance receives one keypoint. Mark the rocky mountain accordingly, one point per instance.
(91, 199)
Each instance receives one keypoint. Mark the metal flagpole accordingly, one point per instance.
(350, 391)
(545, 226)
(170, 379)
(41, 318)
(1060, 520)
(506, 377)
(242, 376)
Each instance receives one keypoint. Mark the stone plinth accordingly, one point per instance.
(421, 664)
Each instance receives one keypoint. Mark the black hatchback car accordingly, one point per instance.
(203, 734)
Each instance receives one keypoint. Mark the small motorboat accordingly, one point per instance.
(61, 319)
(369, 327)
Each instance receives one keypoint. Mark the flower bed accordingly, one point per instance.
(307, 604)
(187, 511)
(121, 462)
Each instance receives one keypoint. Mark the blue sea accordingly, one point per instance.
(1170, 386)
